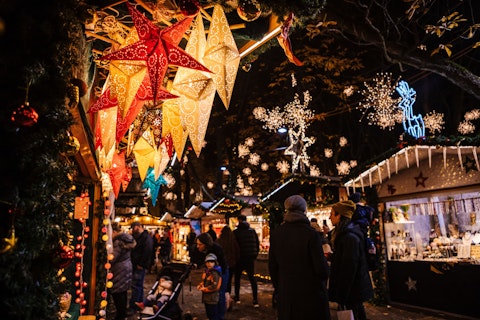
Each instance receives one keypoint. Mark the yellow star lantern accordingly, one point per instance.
(172, 124)
(196, 90)
(221, 55)
(126, 76)
(161, 160)
(144, 152)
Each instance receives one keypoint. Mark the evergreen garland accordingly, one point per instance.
(36, 189)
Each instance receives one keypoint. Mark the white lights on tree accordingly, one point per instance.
(343, 141)
(264, 166)
(353, 163)
(210, 185)
(247, 171)
(412, 124)
(249, 142)
(243, 150)
(314, 171)
(466, 127)
(434, 122)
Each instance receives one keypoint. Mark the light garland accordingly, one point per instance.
(106, 230)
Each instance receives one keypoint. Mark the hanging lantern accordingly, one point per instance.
(249, 10)
(24, 115)
(189, 8)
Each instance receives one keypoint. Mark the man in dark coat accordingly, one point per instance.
(247, 239)
(298, 267)
(350, 283)
(141, 261)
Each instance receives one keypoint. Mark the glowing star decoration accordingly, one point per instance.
(411, 284)
(144, 152)
(314, 171)
(173, 125)
(283, 167)
(196, 90)
(153, 184)
(328, 152)
(160, 160)
(264, 166)
(343, 168)
(158, 47)
(296, 117)
(254, 159)
(434, 122)
(343, 141)
(412, 124)
(378, 98)
(221, 55)
(117, 172)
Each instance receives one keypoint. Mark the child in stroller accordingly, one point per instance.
(168, 308)
(160, 296)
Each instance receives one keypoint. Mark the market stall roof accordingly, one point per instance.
(407, 157)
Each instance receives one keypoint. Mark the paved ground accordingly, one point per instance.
(190, 302)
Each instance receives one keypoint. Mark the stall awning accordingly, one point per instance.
(409, 157)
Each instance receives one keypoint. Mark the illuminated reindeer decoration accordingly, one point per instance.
(413, 124)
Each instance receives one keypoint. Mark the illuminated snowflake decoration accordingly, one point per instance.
(328, 152)
(247, 171)
(378, 98)
(210, 185)
(466, 127)
(343, 141)
(472, 115)
(348, 91)
(252, 180)
(170, 180)
(353, 163)
(434, 122)
(254, 159)
(314, 171)
(264, 166)
(243, 150)
(296, 117)
(249, 142)
(283, 167)
(343, 168)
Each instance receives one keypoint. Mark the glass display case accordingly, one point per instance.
(438, 228)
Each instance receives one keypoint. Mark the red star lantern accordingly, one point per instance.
(158, 47)
(117, 172)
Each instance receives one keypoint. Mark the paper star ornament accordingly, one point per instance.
(221, 55)
(144, 153)
(153, 184)
(158, 47)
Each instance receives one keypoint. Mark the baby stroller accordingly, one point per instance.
(170, 310)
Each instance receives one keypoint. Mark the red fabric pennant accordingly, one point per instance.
(285, 43)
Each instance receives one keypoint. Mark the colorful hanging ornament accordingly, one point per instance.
(189, 8)
(249, 10)
(284, 41)
(24, 115)
(63, 256)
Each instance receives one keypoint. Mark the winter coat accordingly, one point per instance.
(142, 253)
(349, 278)
(247, 239)
(298, 270)
(123, 244)
(231, 249)
(211, 279)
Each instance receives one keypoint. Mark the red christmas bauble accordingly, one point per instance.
(63, 257)
(189, 8)
(24, 116)
(249, 10)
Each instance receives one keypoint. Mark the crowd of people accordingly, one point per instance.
(310, 265)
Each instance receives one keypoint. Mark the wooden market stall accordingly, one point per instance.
(429, 198)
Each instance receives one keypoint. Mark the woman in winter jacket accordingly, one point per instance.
(123, 243)
(350, 283)
(298, 267)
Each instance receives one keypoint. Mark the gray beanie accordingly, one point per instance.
(211, 257)
(295, 203)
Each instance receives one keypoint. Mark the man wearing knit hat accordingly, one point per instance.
(297, 266)
(349, 283)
